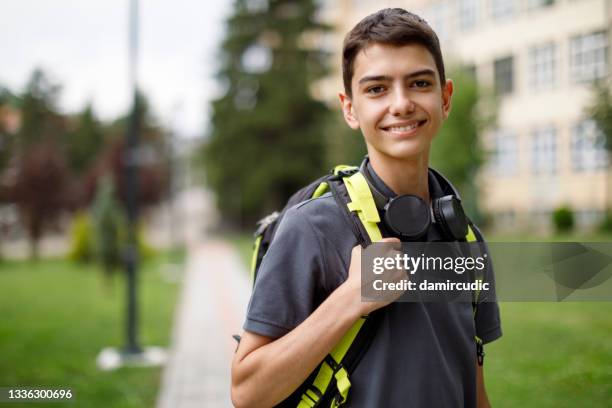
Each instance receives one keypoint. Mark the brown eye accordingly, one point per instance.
(422, 83)
(374, 90)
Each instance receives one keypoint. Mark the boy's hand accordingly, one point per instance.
(353, 283)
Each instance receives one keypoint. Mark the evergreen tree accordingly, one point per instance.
(266, 137)
(85, 141)
(40, 121)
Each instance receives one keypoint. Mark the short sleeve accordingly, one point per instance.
(289, 280)
(487, 320)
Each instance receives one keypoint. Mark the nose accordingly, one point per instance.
(401, 103)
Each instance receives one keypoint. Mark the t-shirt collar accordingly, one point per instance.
(435, 190)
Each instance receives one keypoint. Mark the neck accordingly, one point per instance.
(404, 176)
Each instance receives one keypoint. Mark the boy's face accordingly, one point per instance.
(398, 101)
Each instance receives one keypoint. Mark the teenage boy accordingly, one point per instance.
(308, 291)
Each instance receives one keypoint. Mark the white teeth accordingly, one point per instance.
(403, 128)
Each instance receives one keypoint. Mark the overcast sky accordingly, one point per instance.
(83, 46)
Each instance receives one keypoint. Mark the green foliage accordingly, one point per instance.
(40, 121)
(267, 131)
(600, 110)
(606, 223)
(85, 141)
(343, 144)
(456, 150)
(81, 236)
(563, 219)
(109, 225)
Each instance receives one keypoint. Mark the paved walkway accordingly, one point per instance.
(212, 306)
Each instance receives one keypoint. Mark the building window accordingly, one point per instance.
(504, 220)
(589, 57)
(437, 16)
(588, 147)
(502, 8)
(540, 218)
(504, 157)
(589, 217)
(468, 14)
(542, 66)
(504, 76)
(544, 150)
(536, 4)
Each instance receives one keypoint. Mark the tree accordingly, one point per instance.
(343, 144)
(38, 190)
(40, 121)
(266, 138)
(108, 223)
(153, 164)
(85, 141)
(600, 110)
(37, 164)
(456, 150)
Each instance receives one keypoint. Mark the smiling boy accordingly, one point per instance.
(308, 291)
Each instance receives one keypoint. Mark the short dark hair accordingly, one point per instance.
(393, 26)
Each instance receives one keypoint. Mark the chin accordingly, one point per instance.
(407, 150)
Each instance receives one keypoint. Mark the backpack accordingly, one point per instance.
(328, 385)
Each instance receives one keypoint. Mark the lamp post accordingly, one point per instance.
(132, 354)
(131, 172)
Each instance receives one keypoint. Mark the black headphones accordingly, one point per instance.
(409, 216)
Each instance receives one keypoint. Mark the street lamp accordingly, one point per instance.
(132, 354)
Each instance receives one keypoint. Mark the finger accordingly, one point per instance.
(397, 244)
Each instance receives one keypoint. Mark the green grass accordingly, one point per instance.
(551, 355)
(558, 237)
(57, 316)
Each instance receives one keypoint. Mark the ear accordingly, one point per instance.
(447, 93)
(348, 111)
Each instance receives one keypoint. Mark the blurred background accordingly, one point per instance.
(234, 108)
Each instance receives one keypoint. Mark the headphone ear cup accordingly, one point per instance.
(449, 214)
(407, 216)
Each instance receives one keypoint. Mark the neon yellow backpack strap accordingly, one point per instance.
(362, 203)
(256, 245)
(331, 368)
(471, 237)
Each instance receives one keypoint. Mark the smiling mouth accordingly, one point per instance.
(404, 128)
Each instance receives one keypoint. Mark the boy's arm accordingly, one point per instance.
(482, 400)
(266, 371)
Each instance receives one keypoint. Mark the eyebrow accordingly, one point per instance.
(427, 71)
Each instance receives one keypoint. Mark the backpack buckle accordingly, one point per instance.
(346, 172)
(265, 223)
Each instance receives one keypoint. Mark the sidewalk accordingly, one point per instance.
(211, 308)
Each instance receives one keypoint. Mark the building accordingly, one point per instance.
(540, 57)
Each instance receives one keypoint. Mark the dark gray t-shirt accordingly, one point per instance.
(423, 354)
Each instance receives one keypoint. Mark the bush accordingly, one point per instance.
(563, 219)
(606, 223)
(81, 239)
